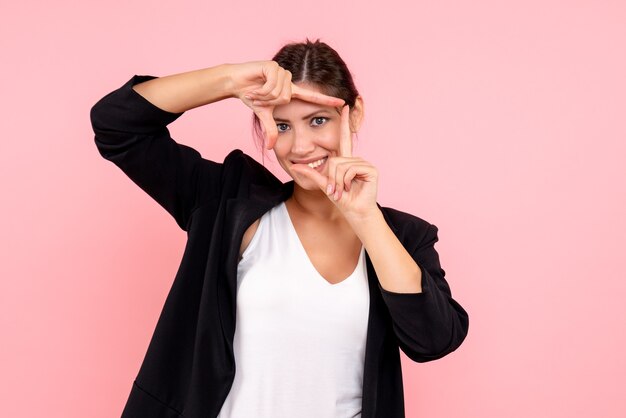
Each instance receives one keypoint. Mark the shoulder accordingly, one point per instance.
(240, 164)
(243, 176)
(238, 157)
(409, 229)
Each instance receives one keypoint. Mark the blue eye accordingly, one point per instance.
(282, 127)
(319, 120)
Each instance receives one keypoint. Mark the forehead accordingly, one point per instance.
(297, 107)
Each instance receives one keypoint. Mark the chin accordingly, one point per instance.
(305, 183)
(308, 185)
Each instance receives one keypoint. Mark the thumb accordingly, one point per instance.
(269, 127)
(311, 174)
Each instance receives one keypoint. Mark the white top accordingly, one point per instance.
(299, 340)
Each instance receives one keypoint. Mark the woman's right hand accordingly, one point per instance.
(263, 85)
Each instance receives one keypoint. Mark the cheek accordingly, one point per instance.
(280, 152)
(329, 140)
(281, 148)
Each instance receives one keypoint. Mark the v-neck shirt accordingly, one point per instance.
(299, 340)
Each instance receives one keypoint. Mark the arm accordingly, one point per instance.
(428, 322)
(261, 85)
(131, 132)
(181, 92)
(130, 126)
(397, 272)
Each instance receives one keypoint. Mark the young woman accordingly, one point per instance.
(292, 300)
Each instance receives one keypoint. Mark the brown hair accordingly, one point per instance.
(315, 63)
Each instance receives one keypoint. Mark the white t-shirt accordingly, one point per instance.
(299, 340)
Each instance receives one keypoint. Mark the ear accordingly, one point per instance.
(356, 115)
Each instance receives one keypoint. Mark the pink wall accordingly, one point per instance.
(504, 125)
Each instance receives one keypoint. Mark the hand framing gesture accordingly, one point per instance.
(352, 182)
(263, 85)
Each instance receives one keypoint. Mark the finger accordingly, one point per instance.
(333, 164)
(332, 170)
(348, 176)
(345, 140)
(346, 169)
(353, 171)
(269, 125)
(302, 93)
(271, 78)
(275, 91)
(283, 97)
(286, 91)
(340, 172)
(310, 173)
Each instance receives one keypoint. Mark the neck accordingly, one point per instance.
(315, 203)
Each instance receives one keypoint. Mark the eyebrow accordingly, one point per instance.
(305, 117)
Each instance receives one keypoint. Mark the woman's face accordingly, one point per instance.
(308, 133)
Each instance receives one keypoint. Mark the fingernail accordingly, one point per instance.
(329, 189)
(336, 196)
(247, 96)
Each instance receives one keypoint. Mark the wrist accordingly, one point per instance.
(216, 83)
(366, 218)
(370, 227)
(222, 76)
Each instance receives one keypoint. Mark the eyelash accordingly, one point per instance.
(326, 119)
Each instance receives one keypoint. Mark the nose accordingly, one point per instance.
(303, 142)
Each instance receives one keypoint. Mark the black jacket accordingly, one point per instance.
(189, 366)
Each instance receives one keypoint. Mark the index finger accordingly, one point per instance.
(345, 141)
(269, 125)
(314, 96)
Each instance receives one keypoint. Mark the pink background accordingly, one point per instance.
(503, 123)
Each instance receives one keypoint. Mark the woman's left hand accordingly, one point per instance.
(352, 182)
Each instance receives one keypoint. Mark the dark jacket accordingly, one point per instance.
(189, 366)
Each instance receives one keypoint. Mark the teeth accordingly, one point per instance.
(317, 163)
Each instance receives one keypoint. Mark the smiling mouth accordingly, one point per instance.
(317, 163)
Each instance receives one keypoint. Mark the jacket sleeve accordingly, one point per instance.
(132, 133)
(430, 324)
